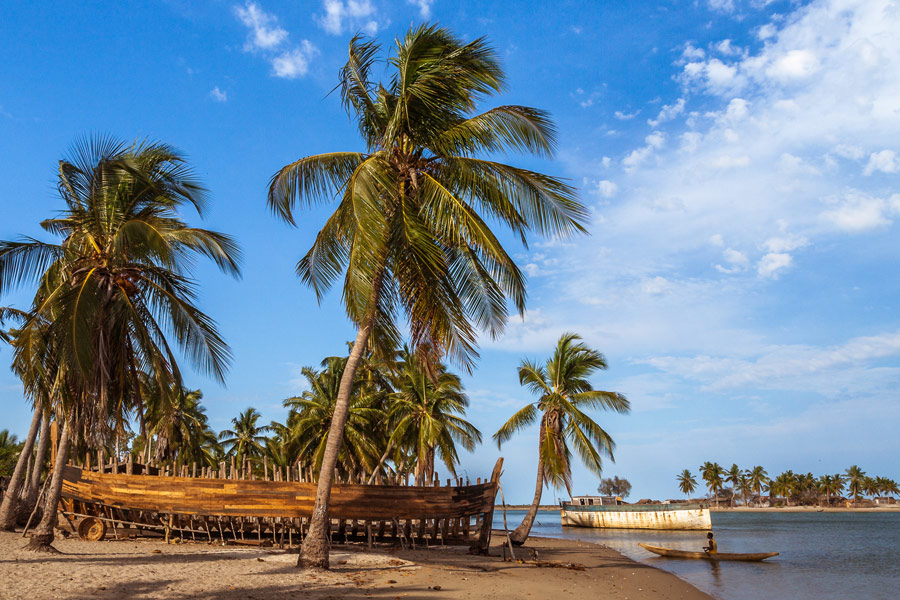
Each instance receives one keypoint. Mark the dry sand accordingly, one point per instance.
(153, 569)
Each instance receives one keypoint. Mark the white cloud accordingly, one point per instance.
(622, 116)
(294, 63)
(885, 161)
(218, 95)
(606, 188)
(795, 64)
(857, 211)
(267, 38)
(692, 53)
(771, 265)
(667, 113)
(654, 141)
(265, 34)
(350, 14)
(424, 7)
(737, 261)
(725, 6)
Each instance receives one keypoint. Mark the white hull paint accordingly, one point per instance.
(687, 518)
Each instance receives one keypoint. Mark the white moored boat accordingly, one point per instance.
(610, 512)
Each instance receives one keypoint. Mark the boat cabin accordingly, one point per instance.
(594, 501)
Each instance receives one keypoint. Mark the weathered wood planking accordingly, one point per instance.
(247, 498)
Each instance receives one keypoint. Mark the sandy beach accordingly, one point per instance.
(152, 569)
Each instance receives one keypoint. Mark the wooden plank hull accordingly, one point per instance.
(610, 518)
(244, 498)
(672, 553)
(235, 508)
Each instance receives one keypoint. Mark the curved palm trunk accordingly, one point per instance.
(34, 486)
(314, 552)
(9, 508)
(42, 537)
(521, 532)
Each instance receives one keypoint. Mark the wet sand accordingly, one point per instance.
(145, 568)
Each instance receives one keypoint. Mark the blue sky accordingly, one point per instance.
(739, 160)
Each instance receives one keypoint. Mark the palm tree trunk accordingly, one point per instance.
(314, 552)
(9, 508)
(34, 485)
(521, 532)
(42, 537)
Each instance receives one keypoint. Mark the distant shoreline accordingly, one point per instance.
(760, 509)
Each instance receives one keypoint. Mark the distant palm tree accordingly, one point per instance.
(114, 291)
(313, 411)
(246, 440)
(426, 415)
(745, 487)
(412, 223)
(870, 486)
(713, 473)
(855, 478)
(687, 483)
(831, 485)
(564, 391)
(759, 480)
(887, 486)
(784, 485)
(179, 423)
(733, 476)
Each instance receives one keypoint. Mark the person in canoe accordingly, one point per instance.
(713, 547)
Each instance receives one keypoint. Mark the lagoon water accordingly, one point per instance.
(824, 556)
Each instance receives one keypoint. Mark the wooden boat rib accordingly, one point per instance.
(672, 553)
(205, 504)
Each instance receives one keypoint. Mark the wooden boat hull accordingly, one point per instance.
(194, 503)
(636, 517)
(672, 553)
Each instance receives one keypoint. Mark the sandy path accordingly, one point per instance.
(152, 569)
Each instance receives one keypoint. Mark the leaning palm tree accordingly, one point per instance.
(115, 291)
(784, 485)
(426, 415)
(246, 440)
(687, 483)
(411, 225)
(712, 473)
(855, 478)
(745, 487)
(564, 391)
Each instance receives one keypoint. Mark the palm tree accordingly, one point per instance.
(246, 440)
(564, 391)
(114, 290)
(733, 476)
(784, 485)
(870, 486)
(313, 411)
(855, 478)
(808, 483)
(759, 479)
(409, 228)
(831, 484)
(745, 487)
(179, 423)
(712, 473)
(687, 483)
(426, 415)
(887, 486)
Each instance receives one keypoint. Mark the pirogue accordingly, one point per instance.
(131, 500)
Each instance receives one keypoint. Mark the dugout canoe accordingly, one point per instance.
(227, 507)
(672, 553)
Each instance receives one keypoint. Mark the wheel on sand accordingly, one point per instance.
(92, 529)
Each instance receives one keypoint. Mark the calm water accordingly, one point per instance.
(824, 556)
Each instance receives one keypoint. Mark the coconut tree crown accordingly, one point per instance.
(412, 208)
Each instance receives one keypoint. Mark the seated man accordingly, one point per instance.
(712, 548)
